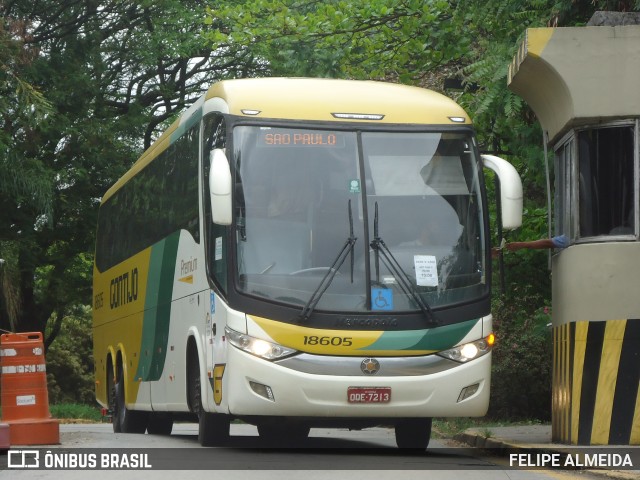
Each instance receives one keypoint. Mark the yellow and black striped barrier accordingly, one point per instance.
(596, 378)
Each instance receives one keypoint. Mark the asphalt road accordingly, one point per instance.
(328, 454)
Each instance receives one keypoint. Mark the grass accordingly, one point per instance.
(449, 427)
(486, 432)
(76, 412)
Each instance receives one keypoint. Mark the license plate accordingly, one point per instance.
(369, 394)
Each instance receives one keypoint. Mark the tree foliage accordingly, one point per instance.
(88, 85)
(355, 39)
(522, 358)
(23, 181)
(70, 373)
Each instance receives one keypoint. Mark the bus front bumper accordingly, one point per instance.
(253, 386)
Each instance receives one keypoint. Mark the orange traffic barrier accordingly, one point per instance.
(4, 437)
(25, 400)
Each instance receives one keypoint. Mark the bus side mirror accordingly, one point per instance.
(220, 188)
(510, 190)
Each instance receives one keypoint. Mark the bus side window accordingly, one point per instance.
(217, 236)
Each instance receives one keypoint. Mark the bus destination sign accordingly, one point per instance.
(300, 138)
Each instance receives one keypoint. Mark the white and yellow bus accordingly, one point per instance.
(298, 253)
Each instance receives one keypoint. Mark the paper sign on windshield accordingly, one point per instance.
(426, 270)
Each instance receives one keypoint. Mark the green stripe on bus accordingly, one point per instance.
(186, 125)
(157, 313)
(435, 339)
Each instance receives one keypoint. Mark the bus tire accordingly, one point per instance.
(125, 420)
(213, 428)
(413, 433)
(111, 397)
(160, 424)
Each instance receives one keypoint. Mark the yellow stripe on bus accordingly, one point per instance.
(322, 341)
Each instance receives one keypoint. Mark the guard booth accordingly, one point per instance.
(583, 84)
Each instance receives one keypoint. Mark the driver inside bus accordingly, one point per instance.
(291, 194)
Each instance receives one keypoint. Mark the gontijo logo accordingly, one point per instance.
(123, 289)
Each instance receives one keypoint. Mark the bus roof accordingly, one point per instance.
(320, 99)
(314, 100)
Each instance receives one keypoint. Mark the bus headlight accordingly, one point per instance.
(257, 346)
(469, 351)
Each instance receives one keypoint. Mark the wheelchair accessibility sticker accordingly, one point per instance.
(381, 299)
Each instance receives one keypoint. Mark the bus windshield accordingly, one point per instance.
(411, 199)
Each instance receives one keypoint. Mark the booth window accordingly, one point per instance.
(606, 181)
(563, 194)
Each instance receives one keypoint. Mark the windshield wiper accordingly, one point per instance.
(380, 248)
(331, 272)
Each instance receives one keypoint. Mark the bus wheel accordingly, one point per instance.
(125, 420)
(413, 433)
(160, 424)
(213, 428)
(111, 400)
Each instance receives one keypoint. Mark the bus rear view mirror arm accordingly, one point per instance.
(220, 188)
(510, 190)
